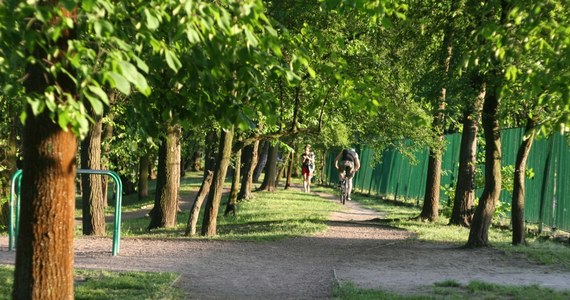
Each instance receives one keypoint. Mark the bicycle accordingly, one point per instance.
(344, 188)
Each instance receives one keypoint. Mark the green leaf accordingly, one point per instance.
(119, 82)
(99, 92)
(172, 60)
(87, 5)
(151, 21)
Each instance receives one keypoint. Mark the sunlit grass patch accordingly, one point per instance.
(453, 290)
(268, 216)
(95, 284)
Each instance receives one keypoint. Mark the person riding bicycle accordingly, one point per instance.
(349, 163)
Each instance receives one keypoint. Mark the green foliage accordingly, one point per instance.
(94, 56)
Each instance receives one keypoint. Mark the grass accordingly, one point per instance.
(453, 290)
(96, 284)
(537, 249)
(270, 216)
(401, 215)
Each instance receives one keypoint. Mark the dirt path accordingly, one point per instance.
(305, 268)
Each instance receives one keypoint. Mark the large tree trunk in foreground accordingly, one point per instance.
(479, 234)
(246, 188)
(209, 224)
(518, 201)
(195, 210)
(463, 202)
(269, 183)
(231, 206)
(44, 260)
(163, 214)
(93, 203)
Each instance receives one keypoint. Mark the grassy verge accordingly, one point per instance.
(537, 248)
(92, 284)
(401, 215)
(269, 216)
(453, 290)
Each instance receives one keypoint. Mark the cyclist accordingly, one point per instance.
(350, 163)
(308, 167)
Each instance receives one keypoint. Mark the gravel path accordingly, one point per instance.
(353, 249)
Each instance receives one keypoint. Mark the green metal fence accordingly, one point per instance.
(397, 176)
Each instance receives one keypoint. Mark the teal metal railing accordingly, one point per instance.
(14, 219)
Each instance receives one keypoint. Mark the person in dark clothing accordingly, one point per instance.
(347, 162)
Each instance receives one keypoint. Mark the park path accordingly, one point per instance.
(353, 249)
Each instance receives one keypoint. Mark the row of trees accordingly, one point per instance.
(139, 81)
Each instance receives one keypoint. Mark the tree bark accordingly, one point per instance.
(249, 166)
(210, 151)
(463, 202)
(231, 206)
(196, 161)
(93, 203)
(270, 180)
(262, 160)
(45, 237)
(163, 214)
(431, 198)
(518, 200)
(195, 210)
(106, 146)
(144, 167)
(209, 224)
(430, 210)
(291, 165)
(479, 233)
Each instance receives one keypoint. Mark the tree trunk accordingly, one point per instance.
(45, 238)
(106, 147)
(463, 202)
(195, 210)
(163, 214)
(431, 199)
(44, 260)
(290, 166)
(262, 160)
(250, 165)
(270, 180)
(479, 234)
(231, 207)
(210, 151)
(209, 225)
(518, 201)
(196, 161)
(430, 210)
(93, 203)
(144, 166)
